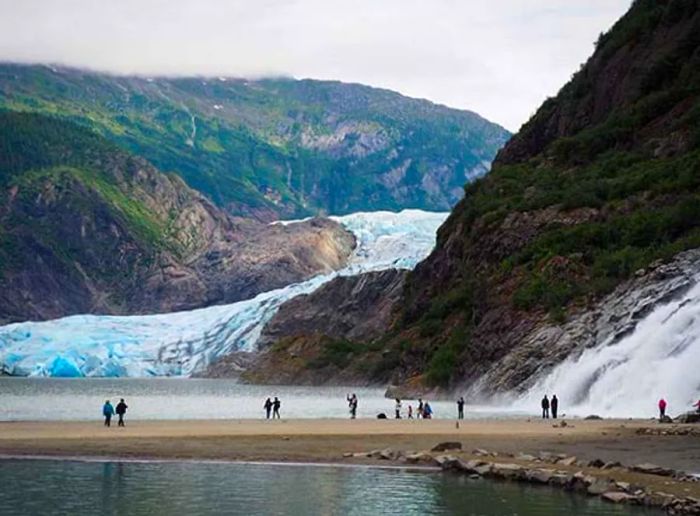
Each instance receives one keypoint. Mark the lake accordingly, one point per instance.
(190, 398)
(51, 487)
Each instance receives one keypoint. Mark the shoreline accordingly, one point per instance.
(621, 461)
(327, 440)
(101, 459)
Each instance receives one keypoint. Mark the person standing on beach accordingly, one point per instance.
(545, 407)
(352, 404)
(410, 412)
(662, 408)
(268, 408)
(108, 412)
(697, 405)
(276, 408)
(121, 410)
(419, 412)
(460, 408)
(398, 408)
(427, 411)
(554, 405)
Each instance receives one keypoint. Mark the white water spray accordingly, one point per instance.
(660, 358)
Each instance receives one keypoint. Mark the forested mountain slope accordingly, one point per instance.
(275, 147)
(602, 184)
(577, 231)
(86, 227)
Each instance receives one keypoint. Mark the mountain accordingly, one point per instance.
(275, 147)
(599, 187)
(313, 339)
(86, 227)
(578, 231)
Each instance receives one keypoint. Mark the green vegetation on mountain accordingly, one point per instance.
(596, 192)
(274, 147)
(88, 227)
(41, 155)
(602, 182)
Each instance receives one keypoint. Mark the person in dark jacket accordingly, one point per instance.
(352, 405)
(108, 412)
(121, 410)
(268, 408)
(545, 407)
(460, 408)
(554, 405)
(276, 408)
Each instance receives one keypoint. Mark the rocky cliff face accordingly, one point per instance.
(356, 308)
(259, 258)
(598, 189)
(274, 148)
(608, 320)
(324, 337)
(88, 228)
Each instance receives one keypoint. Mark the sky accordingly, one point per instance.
(500, 58)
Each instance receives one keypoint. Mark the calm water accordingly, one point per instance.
(64, 487)
(171, 398)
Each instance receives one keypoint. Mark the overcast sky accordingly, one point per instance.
(500, 58)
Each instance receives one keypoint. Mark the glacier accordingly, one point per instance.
(184, 343)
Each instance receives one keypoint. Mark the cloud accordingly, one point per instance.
(500, 58)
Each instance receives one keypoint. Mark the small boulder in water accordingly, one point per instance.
(593, 417)
(448, 445)
(612, 464)
(689, 417)
(652, 469)
(618, 497)
(381, 415)
(568, 461)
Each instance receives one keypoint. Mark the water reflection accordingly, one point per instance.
(63, 487)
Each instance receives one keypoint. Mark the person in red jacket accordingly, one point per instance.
(697, 405)
(662, 408)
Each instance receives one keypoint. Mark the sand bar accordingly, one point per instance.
(326, 440)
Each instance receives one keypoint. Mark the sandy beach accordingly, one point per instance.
(327, 440)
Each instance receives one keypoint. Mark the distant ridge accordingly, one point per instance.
(273, 148)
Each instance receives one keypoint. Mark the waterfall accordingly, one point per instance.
(626, 378)
(183, 343)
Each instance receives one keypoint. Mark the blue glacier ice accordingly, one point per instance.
(183, 343)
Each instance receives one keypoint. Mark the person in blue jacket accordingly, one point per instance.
(108, 412)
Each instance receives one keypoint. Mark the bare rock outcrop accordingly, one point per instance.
(356, 308)
(313, 338)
